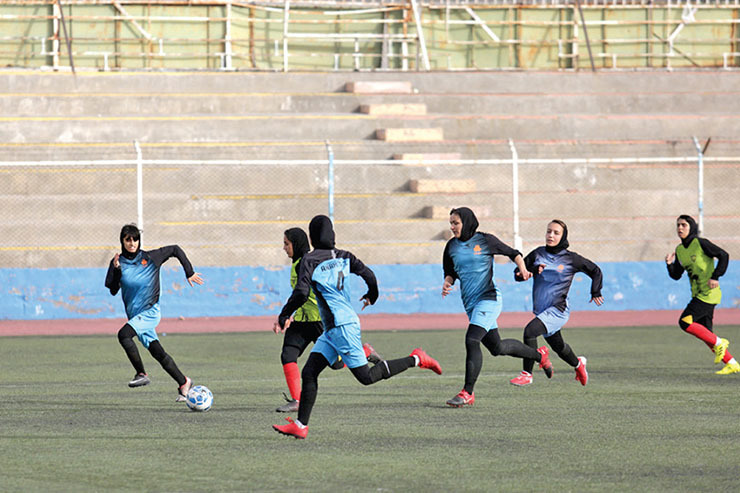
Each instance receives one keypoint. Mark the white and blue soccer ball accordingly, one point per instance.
(199, 398)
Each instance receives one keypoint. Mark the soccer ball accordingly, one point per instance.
(199, 398)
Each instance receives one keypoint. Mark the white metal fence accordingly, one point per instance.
(233, 211)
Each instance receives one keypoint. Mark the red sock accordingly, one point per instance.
(701, 332)
(293, 378)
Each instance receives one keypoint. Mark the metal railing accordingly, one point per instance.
(372, 35)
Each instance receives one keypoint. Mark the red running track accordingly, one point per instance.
(725, 316)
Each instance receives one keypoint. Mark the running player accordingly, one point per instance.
(305, 327)
(696, 256)
(553, 267)
(469, 257)
(327, 270)
(136, 273)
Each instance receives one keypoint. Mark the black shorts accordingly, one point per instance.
(300, 334)
(701, 312)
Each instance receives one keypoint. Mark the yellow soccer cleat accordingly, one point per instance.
(729, 369)
(720, 349)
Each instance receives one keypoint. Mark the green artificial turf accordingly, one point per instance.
(654, 417)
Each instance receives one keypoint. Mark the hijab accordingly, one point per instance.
(321, 232)
(132, 231)
(693, 230)
(469, 222)
(563, 243)
(299, 240)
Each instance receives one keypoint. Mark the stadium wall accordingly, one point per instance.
(53, 294)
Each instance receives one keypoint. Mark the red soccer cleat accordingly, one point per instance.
(581, 373)
(545, 364)
(426, 361)
(371, 355)
(524, 378)
(292, 429)
(462, 399)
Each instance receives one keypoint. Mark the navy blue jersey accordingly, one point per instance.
(471, 261)
(327, 272)
(138, 278)
(552, 285)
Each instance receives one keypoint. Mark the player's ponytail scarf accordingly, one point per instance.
(300, 242)
(563, 243)
(693, 230)
(469, 222)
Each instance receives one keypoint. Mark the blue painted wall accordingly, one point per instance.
(36, 294)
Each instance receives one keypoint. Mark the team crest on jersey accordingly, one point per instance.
(143, 261)
(477, 250)
(693, 258)
(561, 268)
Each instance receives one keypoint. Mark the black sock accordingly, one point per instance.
(125, 338)
(528, 363)
(169, 365)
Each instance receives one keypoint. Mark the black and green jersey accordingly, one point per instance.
(309, 311)
(697, 259)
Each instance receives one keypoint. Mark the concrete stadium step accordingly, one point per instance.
(435, 82)
(355, 126)
(213, 103)
(365, 149)
(401, 109)
(405, 134)
(364, 180)
(379, 87)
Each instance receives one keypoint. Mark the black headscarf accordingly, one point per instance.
(321, 232)
(693, 229)
(563, 243)
(132, 231)
(469, 222)
(300, 242)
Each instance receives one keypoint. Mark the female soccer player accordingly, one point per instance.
(305, 327)
(696, 256)
(469, 257)
(327, 270)
(136, 273)
(553, 267)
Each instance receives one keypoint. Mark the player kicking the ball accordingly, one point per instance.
(327, 270)
(136, 273)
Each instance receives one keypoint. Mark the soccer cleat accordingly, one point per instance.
(545, 364)
(290, 406)
(292, 429)
(139, 380)
(371, 355)
(182, 391)
(581, 373)
(729, 369)
(524, 378)
(462, 399)
(426, 361)
(719, 350)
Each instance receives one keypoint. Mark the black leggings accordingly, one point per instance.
(365, 374)
(495, 345)
(298, 336)
(536, 328)
(126, 339)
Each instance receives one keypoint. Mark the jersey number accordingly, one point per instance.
(340, 281)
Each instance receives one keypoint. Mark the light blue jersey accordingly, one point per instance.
(471, 261)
